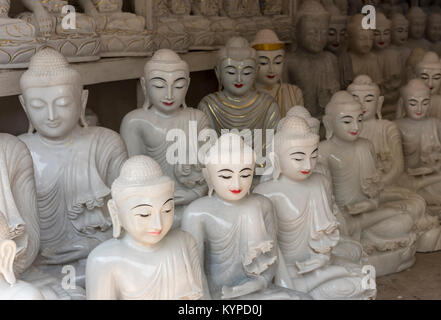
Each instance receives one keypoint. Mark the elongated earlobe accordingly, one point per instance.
(219, 80)
(8, 250)
(31, 128)
(328, 127)
(380, 107)
(113, 211)
(208, 180)
(143, 83)
(400, 113)
(276, 165)
(84, 99)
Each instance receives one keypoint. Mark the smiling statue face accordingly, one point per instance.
(53, 111)
(347, 122)
(336, 37)
(167, 90)
(400, 34)
(432, 78)
(298, 162)
(231, 182)
(417, 104)
(238, 76)
(146, 213)
(382, 37)
(271, 66)
(369, 101)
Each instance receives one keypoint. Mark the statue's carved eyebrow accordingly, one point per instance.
(142, 205)
(264, 57)
(181, 78)
(315, 150)
(369, 95)
(227, 170)
(245, 169)
(301, 153)
(171, 199)
(279, 56)
(350, 117)
(158, 78)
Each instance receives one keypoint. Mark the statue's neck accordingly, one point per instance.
(61, 141)
(243, 99)
(262, 87)
(230, 203)
(161, 114)
(342, 143)
(302, 50)
(132, 243)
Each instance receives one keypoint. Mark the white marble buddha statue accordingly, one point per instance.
(433, 31)
(165, 84)
(384, 230)
(421, 136)
(223, 27)
(390, 64)
(312, 69)
(74, 164)
(235, 230)
(399, 37)
(282, 23)
(122, 33)
(307, 229)
(338, 33)
(429, 70)
(145, 260)
(359, 59)
(417, 28)
(77, 45)
(271, 54)
(238, 104)
(19, 41)
(386, 139)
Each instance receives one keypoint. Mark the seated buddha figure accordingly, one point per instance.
(223, 27)
(307, 229)
(238, 105)
(145, 260)
(312, 69)
(165, 84)
(77, 45)
(417, 28)
(359, 59)
(391, 67)
(282, 23)
(433, 31)
(245, 25)
(338, 32)
(18, 39)
(271, 54)
(429, 70)
(421, 137)
(399, 37)
(122, 33)
(384, 229)
(74, 164)
(235, 229)
(386, 139)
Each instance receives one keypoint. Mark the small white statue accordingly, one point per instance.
(429, 70)
(145, 260)
(74, 164)
(307, 229)
(386, 139)
(421, 136)
(271, 54)
(165, 84)
(19, 42)
(312, 69)
(399, 37)
(122, 33)
(78, 45)
(384, 230)
(417, 28)
(235, 230)
(390, 63)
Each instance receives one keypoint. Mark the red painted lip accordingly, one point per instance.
(336, 45)
(306, 171)
(156, 233)
(271, 77)
(381, 43)
(168, 104)
(236, 191)
(354, 133)
(238, 85)
(364, 111)
(431, 88)
(419, 113)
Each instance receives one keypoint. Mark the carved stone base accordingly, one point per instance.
(246, 27)
(170, 34)
(284, 27)
(124, 44)
(75, 48)
(17, 54)
(202, 37)
(223, 28)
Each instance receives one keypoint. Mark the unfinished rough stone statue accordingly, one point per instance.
(74, 164)
(417, 28)
(390, 63)
(359, 59)
(399, 37)
(145, 131)
(122, 33)
(311, 68)
(433, 32)
(19, 39)
(429, 70)
(245, 25)
(386, 139)
(282, 23)
(421, 136)
(384, 230)
(235, 230)
(77, 45)
(145, 260)
(271, 54)
(337, 35)
(307, 229)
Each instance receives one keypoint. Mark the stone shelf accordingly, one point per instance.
(109, 69)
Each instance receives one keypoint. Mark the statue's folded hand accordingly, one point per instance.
(312, 264)
(360, 207)
(421, 171)
(245, 288)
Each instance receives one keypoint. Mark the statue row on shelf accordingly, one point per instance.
(104, 30)
(324, 219)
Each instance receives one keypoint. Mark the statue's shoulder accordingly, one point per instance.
(181, 237)
(265, 187)
(8, 140)
(325, 147)
(136, 115)
(107, 249)
(27, 138)
(195, 114)
(363, 143)
(261, 200)
(101, 133)
(198, 207)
